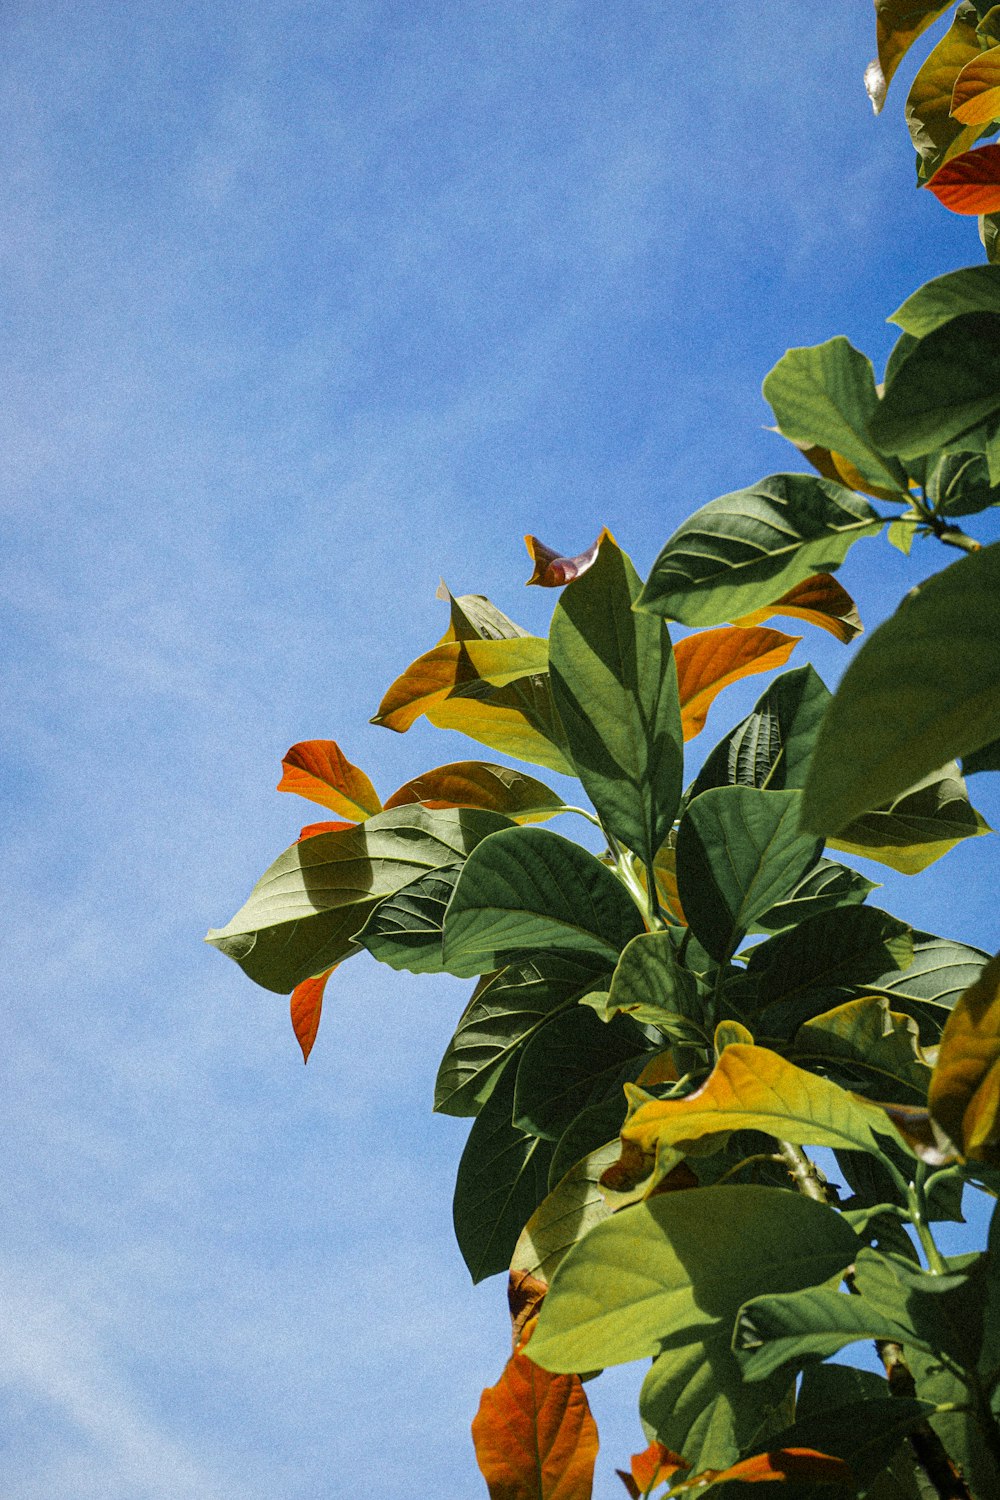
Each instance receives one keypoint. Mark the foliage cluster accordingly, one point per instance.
(659, 1029)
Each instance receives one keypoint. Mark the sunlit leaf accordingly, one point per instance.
(569, 1212)
(534, 1436)
(937, 136)
(740, 552)
(312, 829)
(320, 771)
(306, 1009)
(658, 1270)
(505, 1010)
(924, 689)
(552, 570)
(930, 984)
(452, 665)
(975, 99)
(965, 1085)
(534, 889)
(826, 395)
(898, 24)
(739, 850)
(304, 913)
(917, 828)
(970, 183)
(822, 601)
(972, 289)
(473, 617)
(615, 688)
(712, 659)
(652, 1467)
(835, 466)
(797, 1328)
(876, 1048)
(478, 783)
(502, 1178)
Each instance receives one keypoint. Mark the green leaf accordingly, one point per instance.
(653, 987)
(801, 972)
(973, 289)
(827, 886)
(940, 1314)
(658, 1269)
(305, 912)
(614, 683)
(899, 23)
(531, 889)
(959, 484)
(573, 1062)
(404, 931)
(739, 851)
(593, 1127)
(825, 396)
(929, 986)
(986, 759)
(505, 1010)
(917, 828)
(771, 747)
(948, 385)
(502, 1178)
(742, 551)
(924, 689)
(937, 136)
(571, 1209)
(799, 1328)
(958, 1430)
(865, 1434)
(868, 1046)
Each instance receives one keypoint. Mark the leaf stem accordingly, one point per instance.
(748, 1161)
(916, 1197)
(802, 1171)
(583, 813)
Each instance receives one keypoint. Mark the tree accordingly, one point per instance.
(663, 1027)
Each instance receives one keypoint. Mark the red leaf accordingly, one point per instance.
(312, 829)
(535, 1437)
(655, 1467)
(970, 183)
(306, 1009)
(785, 1463)
(709, 660)
(552, 570)
(320, 771)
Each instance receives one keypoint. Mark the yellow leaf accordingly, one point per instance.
(975, 99)
(836, 467)
(711, 659)
(964, 1094)
(320, 771)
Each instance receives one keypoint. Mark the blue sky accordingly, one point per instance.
(303, 307)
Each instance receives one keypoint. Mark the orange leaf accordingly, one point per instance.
(478, 783)
(970, 183)
(836, 467)
(306, 1009)
(524, 1298)
(319, 770)
(785, 1463)
(819, 599)
(651, 1468)
(708, 661)
(552, 570)
(964, 1095)
(312, 829)
(535, 1437)
(975, 99)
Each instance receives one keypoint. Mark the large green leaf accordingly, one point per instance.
(304, 913)
(801, 972)
(948, 384)
(865, 1434)
(869, 1047)
(742, 551)
(739, 850)
(502, 1177)
(798, 1328)
(771, 747)
(571, 1209)
(672, 1264)
(573, 1062)
(918, 827)
(825, 396)
(941, 1312)
(504, 1012)
(937, 136)
(924, 689)
(614, 683)
(958, 484)
(651, 985)
(985, 759)
(973, 289)
(827, 886)
(531, 889)
(404, 931)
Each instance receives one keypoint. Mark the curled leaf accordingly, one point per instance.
(320, 771)
(975, 99)
(552, 570)
(964, 1093)
(898, 24)
(306, 1009)
(478, 783)
(711, 659)
(656, 1465)
(821, 600)
(805, 1464)
(970, 183)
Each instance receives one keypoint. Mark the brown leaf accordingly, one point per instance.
(819, 599)
(306, 1009)
(785, 1463)
(964, 1095)
(320, 771)
(629, 1484)
(477, 783)
(970, 183)
(552, 570)
(709, 660)
(534, 1435)
(524, 1297)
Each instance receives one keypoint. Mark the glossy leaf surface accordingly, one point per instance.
(970, 183)
(534, 1435)
(741, 552)
(320, 771)
(712, 659)
(477, 783)
(923, 690)
(615, 687)
(533, 889)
